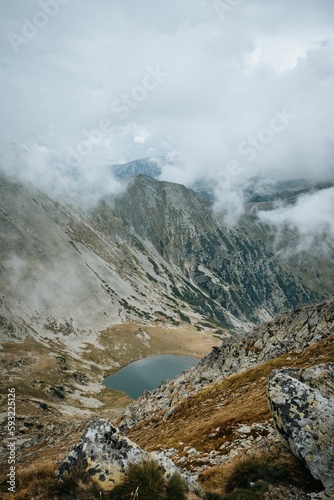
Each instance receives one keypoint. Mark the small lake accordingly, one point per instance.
(148, 373)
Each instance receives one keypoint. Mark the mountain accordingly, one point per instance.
(72, 273)
(79, 286)
(257, 190)
(237, 270)
(146, 166)
(157, 253)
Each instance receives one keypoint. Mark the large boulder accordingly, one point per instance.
(105, 453)
(302, 404)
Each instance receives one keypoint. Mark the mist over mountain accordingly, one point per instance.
(157, 252)
(167, 188)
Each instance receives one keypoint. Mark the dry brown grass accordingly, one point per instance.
(274, 468)
(182, 340)
(35, 481)
(39, 482)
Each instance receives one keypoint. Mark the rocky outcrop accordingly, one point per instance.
(105, 453)
(302, 404)
(291, 332)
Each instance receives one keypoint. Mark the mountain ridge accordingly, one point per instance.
(156, 253)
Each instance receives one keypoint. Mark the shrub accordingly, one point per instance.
(249, 477)
(146, 481)
(270, 469)
(244, 494)
(212, 496)
(252, 469)
(75, 476)
(176, 488)
(77, 482)
(39, 481)
(146, 477)
(255, 492)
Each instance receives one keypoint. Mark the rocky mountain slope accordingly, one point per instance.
(76, 284)
(216, 416)
(156, 253)
(217, 412)
(234, 270)
(69, 274)
(293, 331)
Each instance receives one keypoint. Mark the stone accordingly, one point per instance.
(192, 452)
(142, 335)
(169, 413)
(105, 453)
(244, 429)
(302, 405)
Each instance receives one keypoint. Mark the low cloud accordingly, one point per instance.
(312, 217)
(200, 78)
(37, 166)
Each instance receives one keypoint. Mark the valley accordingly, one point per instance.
(87, 290)
(167, 250)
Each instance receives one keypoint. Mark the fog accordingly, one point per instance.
(232, 90)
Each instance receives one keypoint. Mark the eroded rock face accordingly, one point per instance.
(302, 404)
(105, 453)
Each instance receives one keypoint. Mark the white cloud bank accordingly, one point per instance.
(312, 216)
(92, 83)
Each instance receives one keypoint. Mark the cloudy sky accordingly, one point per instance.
(230, 89)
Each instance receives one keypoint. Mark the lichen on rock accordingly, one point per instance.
(302, 405)
(105, 453)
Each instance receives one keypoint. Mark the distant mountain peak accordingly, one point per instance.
(148, 166)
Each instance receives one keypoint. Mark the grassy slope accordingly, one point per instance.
(46, 413)
(238, 399)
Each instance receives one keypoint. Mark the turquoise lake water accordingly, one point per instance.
(148, 373)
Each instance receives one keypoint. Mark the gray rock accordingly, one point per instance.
(105, 453)
(244, 429)
(302, 405)
(169, 413)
